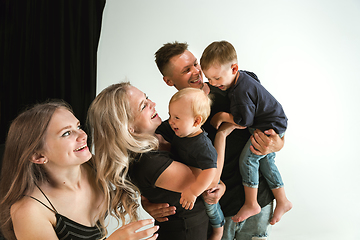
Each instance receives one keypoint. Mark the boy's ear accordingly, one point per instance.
(234, 68)
(197, 121)
(168, 81)
(38, 158)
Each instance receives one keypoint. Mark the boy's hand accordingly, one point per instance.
(187, 199)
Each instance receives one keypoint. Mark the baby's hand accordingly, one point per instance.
(187, 199)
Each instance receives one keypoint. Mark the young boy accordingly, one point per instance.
(251, 105)
(188, 109)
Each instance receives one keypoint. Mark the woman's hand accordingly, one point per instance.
(159, 211)
(131, 231)
(266, 142)
(213, 195)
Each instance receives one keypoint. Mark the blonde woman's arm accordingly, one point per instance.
(131, 231)
(176, 177)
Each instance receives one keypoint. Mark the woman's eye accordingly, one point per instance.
(145, 103)
(66, 134)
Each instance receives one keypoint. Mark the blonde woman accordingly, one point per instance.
(124, 122)
(50, 187)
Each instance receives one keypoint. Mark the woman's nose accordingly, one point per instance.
(82, 135)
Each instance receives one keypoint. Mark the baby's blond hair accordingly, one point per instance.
(200, 101)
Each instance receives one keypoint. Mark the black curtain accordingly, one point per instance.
(48, 50)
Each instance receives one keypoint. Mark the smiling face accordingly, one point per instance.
(182, 119)
(221, 76)
(146, 119)
(185, 71)
(65, 141)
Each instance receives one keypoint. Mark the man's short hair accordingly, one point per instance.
(166, 52)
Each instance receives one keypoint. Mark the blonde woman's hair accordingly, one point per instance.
(109, 118)
(218, 53)
(200, 101)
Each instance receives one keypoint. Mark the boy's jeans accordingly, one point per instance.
(250, 164)
(215, 214)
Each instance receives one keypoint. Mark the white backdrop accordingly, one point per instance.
(306, 53)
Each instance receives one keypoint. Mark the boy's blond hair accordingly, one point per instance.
(221, 53)
(200, 101)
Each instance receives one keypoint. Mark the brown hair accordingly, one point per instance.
(19, 175)
(221, 52)
(166, 52)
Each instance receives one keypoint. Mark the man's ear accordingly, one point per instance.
(197, 121)
(234, 68)
(168, 81)
(38, 158)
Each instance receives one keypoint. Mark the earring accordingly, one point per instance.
(46, 161)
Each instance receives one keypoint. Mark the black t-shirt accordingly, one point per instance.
(197, 151)
(234, 196)
(146, 170)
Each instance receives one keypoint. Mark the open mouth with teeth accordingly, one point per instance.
(154, 115)
(80, 148)
(197, 80)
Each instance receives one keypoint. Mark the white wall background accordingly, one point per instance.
(306, 53)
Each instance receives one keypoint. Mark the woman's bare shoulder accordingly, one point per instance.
(27, 208)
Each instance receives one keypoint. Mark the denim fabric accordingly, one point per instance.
(256, 227)
(250, 164)
(215, 214)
